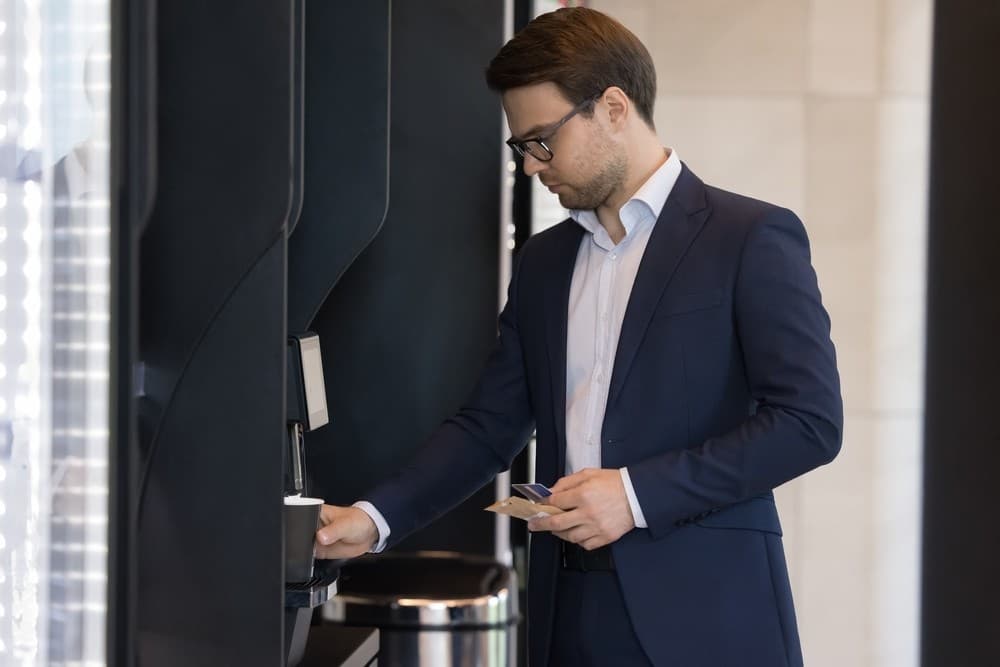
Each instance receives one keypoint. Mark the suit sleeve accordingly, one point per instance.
(470, 448)
(791, 371)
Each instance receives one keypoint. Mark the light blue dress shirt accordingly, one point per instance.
(602, 283)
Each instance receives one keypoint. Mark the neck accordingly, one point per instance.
(644, 161)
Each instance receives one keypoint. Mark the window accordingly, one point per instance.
(54, 321)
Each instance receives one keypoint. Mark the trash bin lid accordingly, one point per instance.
(426, 589)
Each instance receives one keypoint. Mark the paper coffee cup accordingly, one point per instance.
(301, 524)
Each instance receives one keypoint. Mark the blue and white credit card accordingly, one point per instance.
(533, 492)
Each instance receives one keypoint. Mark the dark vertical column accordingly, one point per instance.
(211, 339)
(408, 327)
(961, 553)
(133, 174)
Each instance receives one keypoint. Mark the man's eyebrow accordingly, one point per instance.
(533, 131)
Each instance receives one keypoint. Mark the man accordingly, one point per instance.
(669, 345)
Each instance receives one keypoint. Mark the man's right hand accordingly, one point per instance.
(347, 532)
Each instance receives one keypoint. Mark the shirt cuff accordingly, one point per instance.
(633, 502)
(380, 523)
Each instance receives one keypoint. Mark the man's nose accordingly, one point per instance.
(533, 165)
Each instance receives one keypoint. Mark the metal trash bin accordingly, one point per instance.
(432, 608)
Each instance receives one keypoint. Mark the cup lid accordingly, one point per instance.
(299, 500)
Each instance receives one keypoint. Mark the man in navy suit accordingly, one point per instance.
(669, 346)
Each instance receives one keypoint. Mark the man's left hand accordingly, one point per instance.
(596, 509)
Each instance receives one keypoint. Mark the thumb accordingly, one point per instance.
(327, 513)
(349, 533)
(333, 531)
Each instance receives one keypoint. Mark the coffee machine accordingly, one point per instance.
(307, 411)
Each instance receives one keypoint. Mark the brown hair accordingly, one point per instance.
(582, 52)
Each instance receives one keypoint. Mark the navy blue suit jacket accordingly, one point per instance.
(724, 386)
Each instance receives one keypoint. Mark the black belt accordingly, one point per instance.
(575, 557)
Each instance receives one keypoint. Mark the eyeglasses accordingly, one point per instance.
(536, 146)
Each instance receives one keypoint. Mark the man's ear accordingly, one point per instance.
(619, 106)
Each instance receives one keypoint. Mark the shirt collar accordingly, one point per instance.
(646, 203)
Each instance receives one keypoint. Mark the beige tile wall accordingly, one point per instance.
(822, 106)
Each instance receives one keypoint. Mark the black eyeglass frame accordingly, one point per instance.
(522, 146)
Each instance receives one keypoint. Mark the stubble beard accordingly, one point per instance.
(598, 189)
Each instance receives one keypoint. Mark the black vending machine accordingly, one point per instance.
(253, 147)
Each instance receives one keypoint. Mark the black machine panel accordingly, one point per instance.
(346, 157)
(407, 328)
(265, 209)
(212, 338)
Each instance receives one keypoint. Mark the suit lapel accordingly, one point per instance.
(557, 315)
(682, 217)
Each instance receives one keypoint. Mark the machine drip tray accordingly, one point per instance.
(310, 594)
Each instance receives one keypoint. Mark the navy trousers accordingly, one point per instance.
(592, 627)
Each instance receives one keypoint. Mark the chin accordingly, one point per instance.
(569, 202)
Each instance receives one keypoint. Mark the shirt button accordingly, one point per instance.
(613, 256)
(604, 317)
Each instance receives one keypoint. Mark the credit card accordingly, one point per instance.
(533, 492)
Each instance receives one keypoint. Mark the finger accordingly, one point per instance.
(578, 535)
(557, 522)
(541, 524)
(566, 500)
(569, 481)
(329, 534)
(595, 542)
(339, 550)
(326, 514)
(538, 525)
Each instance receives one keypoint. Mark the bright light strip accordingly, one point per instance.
(27, 406)
(76, 547)
(82, 347)
(32, 235)
(82, 317)
(27, 605)
(32, 304)
(90, 289)
(32, 101)
(82, 490)
(78, 433)
(83, 521)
